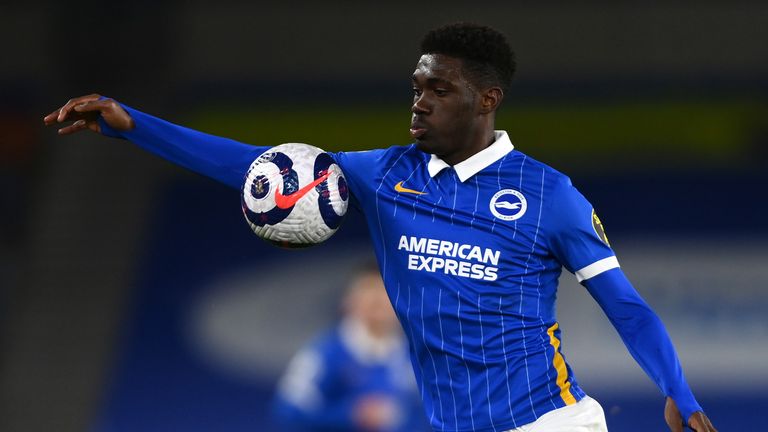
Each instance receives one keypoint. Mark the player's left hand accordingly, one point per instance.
(698, 421)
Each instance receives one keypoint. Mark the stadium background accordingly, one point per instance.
(132, 296)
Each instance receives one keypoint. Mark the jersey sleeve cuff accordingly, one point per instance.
(687, 406)
(596, 268)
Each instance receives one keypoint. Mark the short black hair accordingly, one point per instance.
(487, 58)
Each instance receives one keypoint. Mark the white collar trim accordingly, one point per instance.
(478, 161)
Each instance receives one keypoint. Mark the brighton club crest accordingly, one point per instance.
(508, 204)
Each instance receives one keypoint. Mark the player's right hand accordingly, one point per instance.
(84, 112)
(698, 421)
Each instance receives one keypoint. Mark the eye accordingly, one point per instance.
(416, 92)
(440, 92)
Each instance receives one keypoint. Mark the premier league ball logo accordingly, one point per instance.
(294, 195)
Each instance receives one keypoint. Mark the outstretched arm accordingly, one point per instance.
(649, 343)
(220, 158)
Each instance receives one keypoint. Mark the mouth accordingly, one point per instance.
(417, 133)
(417, 130)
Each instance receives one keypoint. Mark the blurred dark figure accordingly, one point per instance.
(355, 376)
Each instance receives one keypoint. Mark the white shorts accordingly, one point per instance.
(584, 416)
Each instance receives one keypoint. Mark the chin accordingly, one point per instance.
(426, 146)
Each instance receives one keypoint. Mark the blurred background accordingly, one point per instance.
(133, 296)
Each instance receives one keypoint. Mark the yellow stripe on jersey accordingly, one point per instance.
(562, 372)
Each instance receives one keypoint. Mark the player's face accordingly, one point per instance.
(445, 108)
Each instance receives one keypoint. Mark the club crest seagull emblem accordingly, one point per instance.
(508, 204)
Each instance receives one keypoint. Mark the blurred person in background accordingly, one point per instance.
(355, 376)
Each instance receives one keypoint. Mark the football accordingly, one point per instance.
(294, 195)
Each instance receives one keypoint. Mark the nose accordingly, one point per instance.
(420, 105)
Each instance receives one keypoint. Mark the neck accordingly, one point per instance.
(479, 141)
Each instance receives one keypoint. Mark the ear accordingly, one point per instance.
(490, 99)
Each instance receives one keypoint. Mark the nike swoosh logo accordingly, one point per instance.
(399, 187)
(508, 205)
(288, 201)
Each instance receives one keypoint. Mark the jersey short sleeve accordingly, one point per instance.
(576, 235)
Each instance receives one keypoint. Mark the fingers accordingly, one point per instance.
(81, 111)
(74, 127)
(65, 110)
(97, 105)
(709, 424)
(90, 109)
(61, 114)
(51, 118)
(700, 423)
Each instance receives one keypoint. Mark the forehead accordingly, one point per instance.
(439, 66)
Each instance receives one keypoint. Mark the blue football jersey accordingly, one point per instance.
(470, 256)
